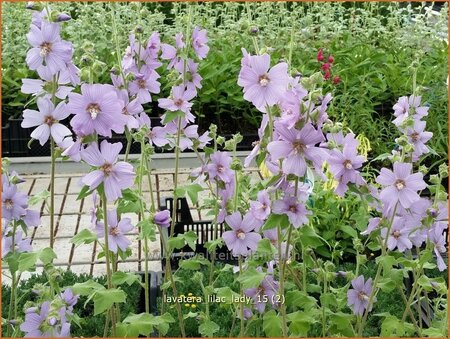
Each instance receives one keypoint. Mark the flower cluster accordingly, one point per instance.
(326, 67)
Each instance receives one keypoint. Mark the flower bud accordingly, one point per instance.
(63, 17)
(254, 30)
(52, 321)
(320, 55)
(34, 6)
(139, 30)
(443, 170)
(330, 59)
(336, 80)
(162, 218)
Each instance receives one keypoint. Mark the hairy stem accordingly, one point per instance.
(52, 193)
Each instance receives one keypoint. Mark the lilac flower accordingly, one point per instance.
(114, 175)
(263, 87)
(162, 219)
(226, 194)
(344, 167)
(199, 42)
(296, 211)
(14, 202)
(241, 239)
(408, 106)
(437, 238)
(296, 147)
(189, 71)
(21, 244)
(48, 51)
(398, 235)
(261, 208)
(418, 137)
(45, 322)
(39, 87)
(372, 226)
(116, 231)
(69, 298)
(179, 101)
(32, 218)
(154, 45)
(47, 119)
(97, 109)
(72, 149)
(264, 293)
(143, 85)
(401, 185)
(130, 109)
(358, 297)
(219, 168)
(272, 235)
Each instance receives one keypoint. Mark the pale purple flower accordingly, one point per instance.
(47, 119)
(116, 231)
(130, 109)
(241, 240)
(179, 101)
(143, 85)
(296, 211)
(264, 294)
(169, 53)
(398, 235)
(344, 166)
(418, 137)
(69, 298)
(406, 107)
(261, 207)
(372, 226)
(401, 185)
(43, 87)
(32, 218)
(45, 322)
(263, 87)
(21, 243)
(189, 72)
(97, 109)
(358, 297)
(219, 168)
(296, 147)
(114, 175)
(63, 17)
(154, 45)
(199, 42)
(48, 51)
(14, 202)
(437, 238)
(162, 219)
(72, 149)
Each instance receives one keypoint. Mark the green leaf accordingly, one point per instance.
(192, 191)
(227, 293)
(83, 237)
(343, 324)
(251, 278)
(301, 322)
(138, 324)
(176, 242)
(104, 299)
(349, 230)
(47, 255)
(190, 238)
(170, 116)
(194, 263)
(85, 191)
(37, 198)
(276, 220)
(272, 324)
(300, 299)
(87, 287)
(208, 328)
(148, 229)
(27, 260)
(163, 323)
(119, 278)
(386, 261)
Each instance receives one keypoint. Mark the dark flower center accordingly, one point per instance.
(396, 234)
(107, 168)
(264, 80)
(362, 296)
(298, 146)
(178, 102)
(141, 83)
(400, 184)
(220, 168)
(49, 120)
(348, 164)
(293, 208)
(240, 234)
(125, 111)
(114, 231)
(46, 48)
(415, 136)
(93, 110)
(8, 204)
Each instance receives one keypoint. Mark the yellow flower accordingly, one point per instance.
(194, 306)
(264, 171)
(189, 294)
(187, 305)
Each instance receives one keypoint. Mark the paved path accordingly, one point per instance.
(72, 216)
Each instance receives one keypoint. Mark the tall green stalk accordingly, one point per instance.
(52, 193)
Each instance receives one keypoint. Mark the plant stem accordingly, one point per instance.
(108, 267)
(143, 163)
(12, 299)
(282, 277)
(175, 184)
(129, 140)
(52, 193)
(241, 315)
